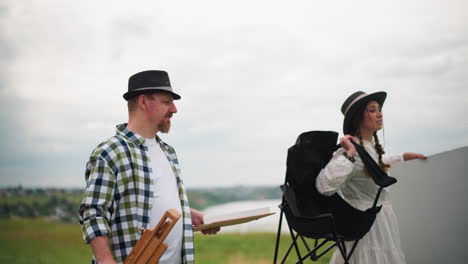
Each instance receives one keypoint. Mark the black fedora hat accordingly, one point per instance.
(355, 102)
(149, 82)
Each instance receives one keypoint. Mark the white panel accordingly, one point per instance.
(431, 201)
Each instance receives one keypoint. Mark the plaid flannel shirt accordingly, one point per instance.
(118, 194)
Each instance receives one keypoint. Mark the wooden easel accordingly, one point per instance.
(150, 247)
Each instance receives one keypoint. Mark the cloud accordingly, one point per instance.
(6, 50)
(251, 78)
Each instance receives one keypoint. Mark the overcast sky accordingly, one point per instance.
(252, 75)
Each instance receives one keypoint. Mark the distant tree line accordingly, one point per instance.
(62, 204)
(53, 203)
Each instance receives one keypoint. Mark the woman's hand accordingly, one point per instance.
(345, 142)
(197, 219)
(412, 156)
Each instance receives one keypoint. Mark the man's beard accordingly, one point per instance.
(164, 126)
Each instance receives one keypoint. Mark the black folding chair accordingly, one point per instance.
(312, 215)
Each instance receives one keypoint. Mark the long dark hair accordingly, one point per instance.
(355, 125)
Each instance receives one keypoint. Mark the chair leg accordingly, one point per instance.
(287, 252)
(342, 247)
(314, 256)
(312, 253)
(343, 243)
(324, 252)
(295, 245)
(278, 235)
(305, 244)
(352, 250)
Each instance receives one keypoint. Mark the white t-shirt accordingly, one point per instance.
(165, 196)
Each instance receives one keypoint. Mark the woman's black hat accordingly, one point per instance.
(356, 101)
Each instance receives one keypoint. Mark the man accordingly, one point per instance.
(134, 177)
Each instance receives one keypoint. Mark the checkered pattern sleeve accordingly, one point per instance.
(96, 207)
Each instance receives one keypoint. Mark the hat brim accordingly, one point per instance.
(131, 94)
(347, 123)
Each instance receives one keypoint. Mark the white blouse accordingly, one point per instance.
(350, 180)
(382, 243)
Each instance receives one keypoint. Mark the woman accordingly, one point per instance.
(346, 174)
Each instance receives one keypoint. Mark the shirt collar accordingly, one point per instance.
(134, 137)
(121, 129)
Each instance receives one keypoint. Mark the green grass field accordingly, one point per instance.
(33, 241)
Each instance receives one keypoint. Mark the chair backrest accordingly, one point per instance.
(312, 151)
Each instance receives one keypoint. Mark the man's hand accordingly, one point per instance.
(197, 219)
